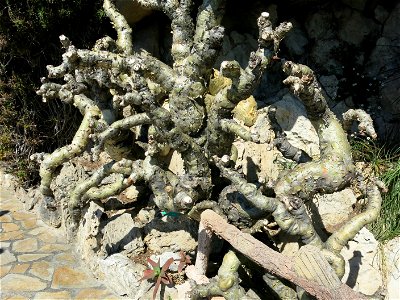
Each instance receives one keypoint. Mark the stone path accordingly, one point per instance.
(36, 262)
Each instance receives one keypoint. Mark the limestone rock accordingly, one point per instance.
(7, 227)
(171, 234)
(292, 117)
(93, 293)
(87, 235)
(131, 193)
(122, 234)
(392, 268)
(176, 163)
(31, 257)
(256, 161)
(20, 268)
(122, 276)
(4, 270)
(332, 210)
(362, 263)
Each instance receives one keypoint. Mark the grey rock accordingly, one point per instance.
(362, 269)
(171, 234)
(356, 4)
(237, 47)
(31, 198)
(262, 127)
(51, 214)
(384, 63)
(329, 211)
(257, 161)
(322, 55)
(330, 84)
(122, 276)
(354, 28)
(89, 231)
(292, 117)
(296, 40)
(339, 109)
(122, 234)
(392, 268)
(319, 25)
(381, 14)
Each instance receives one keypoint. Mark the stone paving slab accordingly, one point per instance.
(36, 262)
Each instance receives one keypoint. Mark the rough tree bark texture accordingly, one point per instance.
(139, 109)
(326, 286)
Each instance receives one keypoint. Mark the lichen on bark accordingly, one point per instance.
(188, 106)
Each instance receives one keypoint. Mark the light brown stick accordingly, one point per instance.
(272, 261)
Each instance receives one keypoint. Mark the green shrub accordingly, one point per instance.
(29, 32)
(385, 164)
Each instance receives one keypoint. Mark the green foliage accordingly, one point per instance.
(29, 31)
(385, 164)
(387, 226)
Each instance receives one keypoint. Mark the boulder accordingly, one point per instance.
(355, 28)
(391, 268)
(384, 61)
(362, 268)
(122, 235)
(122, 276)
(87, 237)
(171, 234)
(292, 117)
(356, 4)
(296, 39)
(330, 211)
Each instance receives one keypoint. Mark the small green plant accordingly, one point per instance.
(157, 273)
(384, 164)
(377, 156)
(387, 226)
